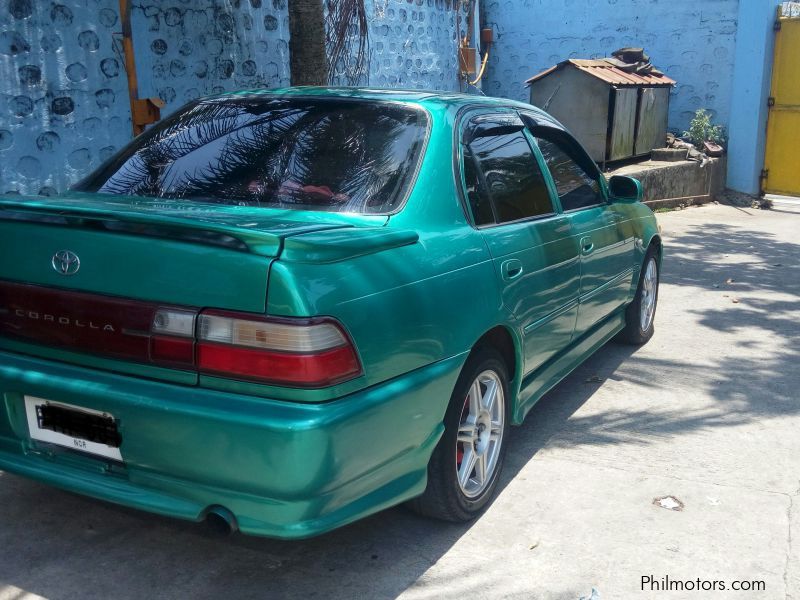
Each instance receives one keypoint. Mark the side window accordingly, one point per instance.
(509, 177)
(576, 186)
(476, 192)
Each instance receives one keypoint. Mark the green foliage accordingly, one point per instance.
(701, 129)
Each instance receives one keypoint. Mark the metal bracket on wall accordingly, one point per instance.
(770, 102)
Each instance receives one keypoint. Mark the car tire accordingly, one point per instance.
(640, 314)
(476, 431)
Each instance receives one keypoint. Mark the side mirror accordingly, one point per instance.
(625, 189)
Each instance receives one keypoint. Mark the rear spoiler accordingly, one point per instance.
(314, 242)
(123, 218)
(343, 244)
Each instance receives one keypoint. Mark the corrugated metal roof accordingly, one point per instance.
(607, 72)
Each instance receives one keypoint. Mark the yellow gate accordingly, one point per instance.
(782, 163)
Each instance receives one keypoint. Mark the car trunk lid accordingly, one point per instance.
(135, 255)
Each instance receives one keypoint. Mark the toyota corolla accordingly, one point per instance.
(287, 310)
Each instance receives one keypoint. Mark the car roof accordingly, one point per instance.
(423, 97)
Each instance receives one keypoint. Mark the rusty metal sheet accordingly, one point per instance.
(607, 72)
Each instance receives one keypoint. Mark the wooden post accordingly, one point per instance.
(143, 111)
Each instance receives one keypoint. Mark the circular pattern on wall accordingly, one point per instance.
(20, 9)
(88, 40)
(63, 105)
(48, 141)
(12, 43)
(29, 167)
(30, 75)
(20, 106)
(76, 72)
(109, 67)
(61, 15)
(6, 139)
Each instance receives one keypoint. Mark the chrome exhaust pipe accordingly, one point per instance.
(221, 521)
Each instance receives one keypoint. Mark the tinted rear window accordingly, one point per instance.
(330, 155)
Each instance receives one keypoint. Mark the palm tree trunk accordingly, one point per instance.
(307, 58)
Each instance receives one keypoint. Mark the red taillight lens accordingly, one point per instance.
(172, 351)
(306, 370)
(294, 352)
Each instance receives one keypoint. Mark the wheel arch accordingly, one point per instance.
(656, 242)
(503, 339)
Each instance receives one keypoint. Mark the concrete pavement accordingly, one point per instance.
(708, 413)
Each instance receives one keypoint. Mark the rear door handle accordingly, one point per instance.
(511, 269)
(587, 246)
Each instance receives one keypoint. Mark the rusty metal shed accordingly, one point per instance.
(615, 113)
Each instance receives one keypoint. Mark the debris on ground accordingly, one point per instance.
(734, 198)
(668, 502)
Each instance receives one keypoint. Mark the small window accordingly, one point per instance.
(476, 193)
(576, 187)
(513, 180)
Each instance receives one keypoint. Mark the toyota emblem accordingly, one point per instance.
(66, 262)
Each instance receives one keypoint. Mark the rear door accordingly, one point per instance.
(605, 235)
(536, 257)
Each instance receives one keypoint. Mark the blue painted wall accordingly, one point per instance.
(63, 95)
(188, 50)
(414, 43)
(63, 92)
(751, 80)
(693, 41)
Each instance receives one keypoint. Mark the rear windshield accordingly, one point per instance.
(329, 155)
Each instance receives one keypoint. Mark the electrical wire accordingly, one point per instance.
(483, 68)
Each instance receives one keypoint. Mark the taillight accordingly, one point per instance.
(294, 352)
(172, 337)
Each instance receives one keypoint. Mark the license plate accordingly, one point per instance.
(73, 427)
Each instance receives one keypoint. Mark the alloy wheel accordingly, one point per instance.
(480, 434)
(649, 294)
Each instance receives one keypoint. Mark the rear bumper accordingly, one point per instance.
(284, 469)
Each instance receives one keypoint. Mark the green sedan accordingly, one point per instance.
(285, 310)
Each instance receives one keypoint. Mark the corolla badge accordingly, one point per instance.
(66, 262)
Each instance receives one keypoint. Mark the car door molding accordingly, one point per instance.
(531, 327)
(624, 276)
